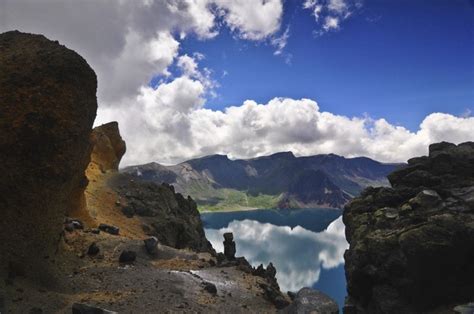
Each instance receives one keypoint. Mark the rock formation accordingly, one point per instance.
(108, 146)
(48, 104)
(229, 246)
(412, 245)
(164, 214)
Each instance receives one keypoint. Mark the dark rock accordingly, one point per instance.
(95, 231)
(69, 227)
(292, 295)
(109, 229)
(229, 246)
(127, 257)
(173, 219)
(151, 245)
(35, 310)
(228, 236)
(412, 246)
(274, 295)
(93, 249)
(48, 105)
(308, 300)
(210, 287)
(78, 308)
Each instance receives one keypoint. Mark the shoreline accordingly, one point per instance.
(247, 209)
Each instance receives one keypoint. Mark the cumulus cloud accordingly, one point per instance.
(174, 129)
(297, 253)
(330, 13)
(130, 42)
(254, 20)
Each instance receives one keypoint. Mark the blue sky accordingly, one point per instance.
(398, 60)
(382, 79)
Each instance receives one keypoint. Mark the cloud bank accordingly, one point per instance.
(174, 126)
(298, 254)
(130, 42)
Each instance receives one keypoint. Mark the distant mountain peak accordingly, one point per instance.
(277, 180)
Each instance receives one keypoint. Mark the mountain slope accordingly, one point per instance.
(279, 180)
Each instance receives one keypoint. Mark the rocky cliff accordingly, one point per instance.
(99, 255)
(412, 245)
(48, 104)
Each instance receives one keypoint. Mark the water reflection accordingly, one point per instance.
(298, 254)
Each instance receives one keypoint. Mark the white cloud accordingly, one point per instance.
(280, 42)
(129, 42)
(169, 127)
(329, 14)
(331, 23)
(253, 20)
(298, 254)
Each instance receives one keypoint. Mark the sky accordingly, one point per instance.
(188, 78)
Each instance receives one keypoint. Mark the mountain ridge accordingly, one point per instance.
(280, 180)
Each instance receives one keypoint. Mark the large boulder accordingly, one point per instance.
(48, 105)
(412, 245)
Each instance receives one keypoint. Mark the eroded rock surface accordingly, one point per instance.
(412, 245)
(48, 104)
(170, 217)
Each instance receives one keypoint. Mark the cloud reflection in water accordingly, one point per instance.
(298, 254)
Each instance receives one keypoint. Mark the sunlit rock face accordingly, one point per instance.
(48, 105)
(297, 253)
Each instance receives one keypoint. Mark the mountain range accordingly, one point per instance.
(280, 180)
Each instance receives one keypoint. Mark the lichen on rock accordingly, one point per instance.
(412, 245)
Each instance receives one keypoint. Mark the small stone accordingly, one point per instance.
(36, 310)
(93, 249)
(210, 287)
(69, 227)
(77, 224)
(95, 231)
(127, 257)
(150, 245)
(109, 229)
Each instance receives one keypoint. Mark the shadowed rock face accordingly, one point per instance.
(412, 246)
(47, 104)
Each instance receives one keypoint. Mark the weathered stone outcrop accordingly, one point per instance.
(170, 217)
(412, 245)
(47, 107)
(108, 146)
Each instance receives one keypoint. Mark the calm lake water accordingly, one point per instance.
(305, 245)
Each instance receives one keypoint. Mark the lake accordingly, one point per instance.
(305, 245)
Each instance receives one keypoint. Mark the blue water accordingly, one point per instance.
(305, 245)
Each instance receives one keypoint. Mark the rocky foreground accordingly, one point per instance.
(412, 245)
(76, 235)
